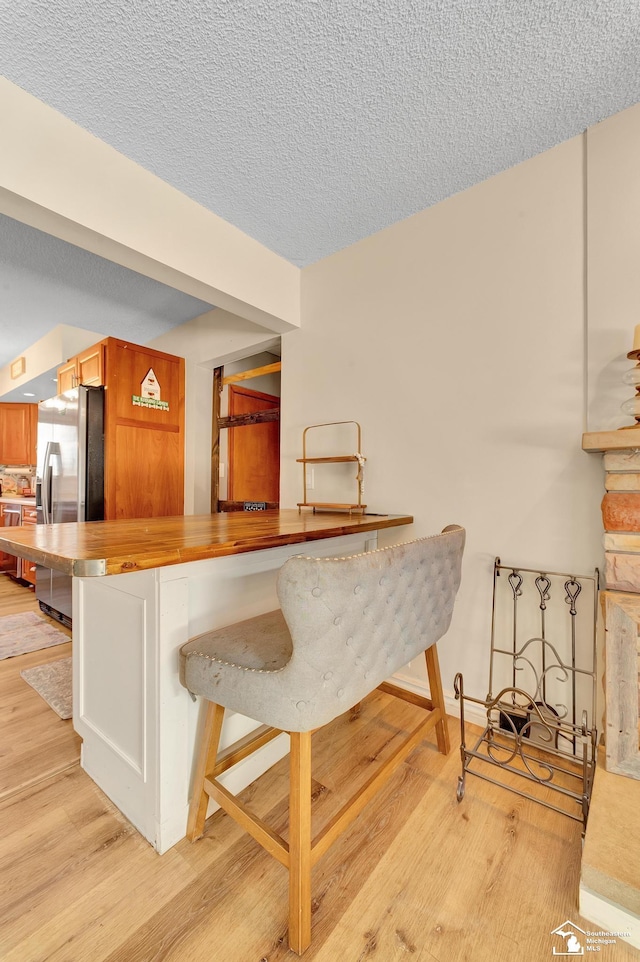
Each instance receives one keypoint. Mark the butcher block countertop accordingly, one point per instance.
(115, 547)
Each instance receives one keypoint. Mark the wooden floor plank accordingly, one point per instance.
(36, 743)
(416, 876)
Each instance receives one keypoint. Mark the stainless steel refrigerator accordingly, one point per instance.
(70, 478)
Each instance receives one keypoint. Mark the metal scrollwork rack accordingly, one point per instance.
(541, 723)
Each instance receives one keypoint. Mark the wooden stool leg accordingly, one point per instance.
(207, 753)
(437, 697)
(300, 842)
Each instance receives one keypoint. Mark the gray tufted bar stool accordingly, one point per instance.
(344, 626)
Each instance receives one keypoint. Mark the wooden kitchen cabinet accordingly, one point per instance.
(8, 518)
(144, 432)
(27, 569)
(143, 425)
(67, 376)
(18, 433)
(85, 368)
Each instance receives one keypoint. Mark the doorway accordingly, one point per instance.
(245, 451)
(254, 449)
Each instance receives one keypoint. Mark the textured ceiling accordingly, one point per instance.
(310, 124)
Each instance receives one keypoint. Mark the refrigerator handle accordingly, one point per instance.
(47, 476)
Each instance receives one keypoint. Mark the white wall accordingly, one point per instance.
(613, 206)
(456, 338)
(198, 394)
(216, 337)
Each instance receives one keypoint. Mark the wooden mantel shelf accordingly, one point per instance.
(115, 547)
(624, 439)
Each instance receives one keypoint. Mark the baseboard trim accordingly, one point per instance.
(472, 713)
(609, 917)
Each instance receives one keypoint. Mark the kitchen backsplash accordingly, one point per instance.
(15, 480)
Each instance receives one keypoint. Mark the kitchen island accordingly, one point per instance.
(141, 589)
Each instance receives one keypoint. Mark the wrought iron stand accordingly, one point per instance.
(541, 724)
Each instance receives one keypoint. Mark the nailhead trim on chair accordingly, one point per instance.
(275, 671)
(368, 631)
(232, 664)
(361, 554)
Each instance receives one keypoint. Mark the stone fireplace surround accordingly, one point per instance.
(610, 870)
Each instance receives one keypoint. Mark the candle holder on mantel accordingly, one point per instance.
(631, 407)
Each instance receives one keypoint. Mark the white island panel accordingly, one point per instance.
(138, 723)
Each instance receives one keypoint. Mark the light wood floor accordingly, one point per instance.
(419, 876)
(35, 742)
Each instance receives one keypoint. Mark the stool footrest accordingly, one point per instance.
(420, 700)
(325, 839)
(263, 834)
(244, 747)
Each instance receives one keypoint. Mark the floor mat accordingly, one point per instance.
(25, 632)
(53, 683)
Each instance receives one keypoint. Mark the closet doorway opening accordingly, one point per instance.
(245, 456)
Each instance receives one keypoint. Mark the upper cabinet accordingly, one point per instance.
(143, 425)
(85, 368)
(18, 431)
